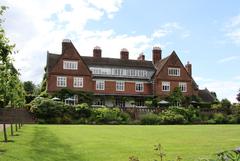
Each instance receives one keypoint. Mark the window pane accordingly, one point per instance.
(61, 81)
(72, 65)
(78, 82)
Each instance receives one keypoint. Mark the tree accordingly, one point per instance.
(226, 103)
(176, 97)
(30, 90)
(11, 89)
(238, 96)
(29, 87)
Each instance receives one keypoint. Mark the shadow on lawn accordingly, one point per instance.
(2, 151)
(47, 146)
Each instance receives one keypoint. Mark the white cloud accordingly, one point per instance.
(166, 30)
(169, 28)
(38, 26)
(237, 78)
(232, 29)
(228, 59)
(109, 6)
(224, 89)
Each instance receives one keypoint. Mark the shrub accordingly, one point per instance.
(106, 115)
(150, 119)
(232, 119)
(190, 114)
(211, 121)
(125, 117)
(66, 119)
(48, 110)
(219, 118)
(169, 117)
(148, 103)
(83, 110)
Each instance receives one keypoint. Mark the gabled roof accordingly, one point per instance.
(206, 96)
(92, 61)
(161, 64)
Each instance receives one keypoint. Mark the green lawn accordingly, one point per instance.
(116, 143)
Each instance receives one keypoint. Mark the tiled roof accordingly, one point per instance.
(91, 61)
(161, 64)
(52, 60)
(206, 96)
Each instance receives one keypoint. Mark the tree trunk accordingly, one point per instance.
(5, 133)
(16, 127)
(11, 129)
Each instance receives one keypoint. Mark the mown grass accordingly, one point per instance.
(117, 143)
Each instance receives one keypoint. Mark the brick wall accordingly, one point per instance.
(52, 83)
(173, 62)
(69, 53)
(110, 88)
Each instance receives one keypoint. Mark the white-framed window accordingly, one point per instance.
(183, 86)
(121, 72)
(120, 85)
(165, 86)
(100, 84)
(72, 65)
(78, 82)
(174, 71)
(139, 86)
(61, 81)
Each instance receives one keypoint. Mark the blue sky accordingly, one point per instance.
(206, 33)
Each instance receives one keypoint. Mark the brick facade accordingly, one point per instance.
(162, 76)
(150, 73)
(110, 89)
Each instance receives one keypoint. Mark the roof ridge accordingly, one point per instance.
(117, 59)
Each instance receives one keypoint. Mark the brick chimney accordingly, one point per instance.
(97, 52)
(156, 54)
(66, 44)
(141, 57)
(124, 54)
(188, 67)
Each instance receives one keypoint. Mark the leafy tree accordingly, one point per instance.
(226, 103)
(238, 96)
(11, 89)
(43, 86)
(176, 97)
(29, 87)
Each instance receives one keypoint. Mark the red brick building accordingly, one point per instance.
(112, 79)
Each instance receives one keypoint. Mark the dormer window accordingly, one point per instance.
(174, 72)
(71, 65)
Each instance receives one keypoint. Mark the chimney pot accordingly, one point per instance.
(97, 52)
(124, 54)
(188, 67)
(66, 43)
(156, 54)
(141, 57)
